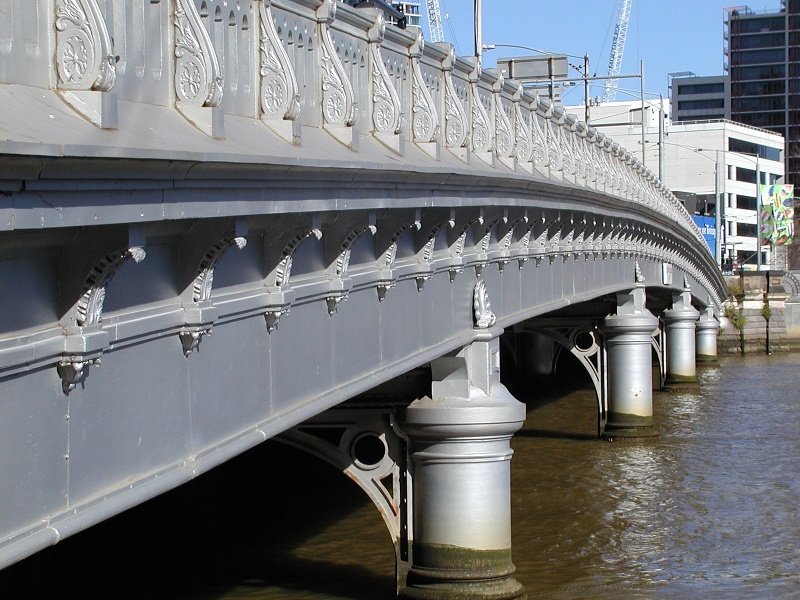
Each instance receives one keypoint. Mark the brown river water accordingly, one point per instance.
(707, 510)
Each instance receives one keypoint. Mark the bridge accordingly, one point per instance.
(223, 222)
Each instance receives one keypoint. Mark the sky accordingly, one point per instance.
(669, 36)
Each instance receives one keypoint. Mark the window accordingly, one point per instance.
(755, 57)
(755, 104)
(756, 73)
(757, 88)
(701, 88)
(745, 175)
(709, 104)
(746, 229)
(757, 25)
(749, 42)
(746, 202)
(737, 145)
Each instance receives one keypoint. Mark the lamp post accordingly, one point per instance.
(584, 71)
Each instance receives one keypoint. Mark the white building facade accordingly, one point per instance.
(707, 164)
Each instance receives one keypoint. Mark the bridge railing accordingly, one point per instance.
(310, 63)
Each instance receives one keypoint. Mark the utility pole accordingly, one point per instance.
(641, 91)
(717, 212)
(586, 86)
(479, 32)
(758, 213)
(661, 138)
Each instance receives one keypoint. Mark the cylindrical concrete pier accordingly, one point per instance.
(630, 370)
(461, 470)
(706, 338)
(680, 323)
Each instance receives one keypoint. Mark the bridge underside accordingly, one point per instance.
(218, 333)
(135, 356)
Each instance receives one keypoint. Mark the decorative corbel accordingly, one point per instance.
(482, 307)
(504, 133)
(200, 317)
(201, 289)
(84, 344)
(485, 240)
(425, 117)
(482, 134)
(84, 56)
(198, 77)
(280, 97)
(540, 151)
(85, 63)
(283, 271)
(387, 111)
(523, 143)
(273, 314)
(90, 305)
(72, 371)
(339, 106)
(456, 130)
(456, 260)
(343, 259)
(387, 259)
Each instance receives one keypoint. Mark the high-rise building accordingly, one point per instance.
(762, 50)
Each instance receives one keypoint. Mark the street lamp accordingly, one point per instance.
(584, 71)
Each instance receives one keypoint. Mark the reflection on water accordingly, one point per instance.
(707, 510)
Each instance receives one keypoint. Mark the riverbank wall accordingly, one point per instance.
(762, 314)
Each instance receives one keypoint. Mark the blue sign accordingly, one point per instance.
(707, 227)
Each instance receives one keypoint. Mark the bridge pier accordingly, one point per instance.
(630, 367)
(460, 454)
(680, 322)
(706, 340)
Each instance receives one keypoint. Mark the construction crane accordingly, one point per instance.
(435, 20)
(617, 48)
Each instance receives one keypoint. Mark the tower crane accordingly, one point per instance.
(617, 48)
(434, 20)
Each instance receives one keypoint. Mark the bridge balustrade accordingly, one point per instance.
(317, 63)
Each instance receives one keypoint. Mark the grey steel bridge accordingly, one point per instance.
(224, 221)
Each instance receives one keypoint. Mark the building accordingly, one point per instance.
(762, 50)
(410, 9)
(697, 98)
(704, 162)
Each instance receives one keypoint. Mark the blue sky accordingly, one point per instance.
(669, 36)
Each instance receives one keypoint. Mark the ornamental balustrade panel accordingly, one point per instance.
(271, 59)
(234, 38)
(426, 123)
(394, 50)
(297, 31)
(456, 123)
(482, 111)
(349, 35)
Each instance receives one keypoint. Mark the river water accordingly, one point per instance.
(707, 510)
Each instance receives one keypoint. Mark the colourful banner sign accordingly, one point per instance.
(776, 217)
